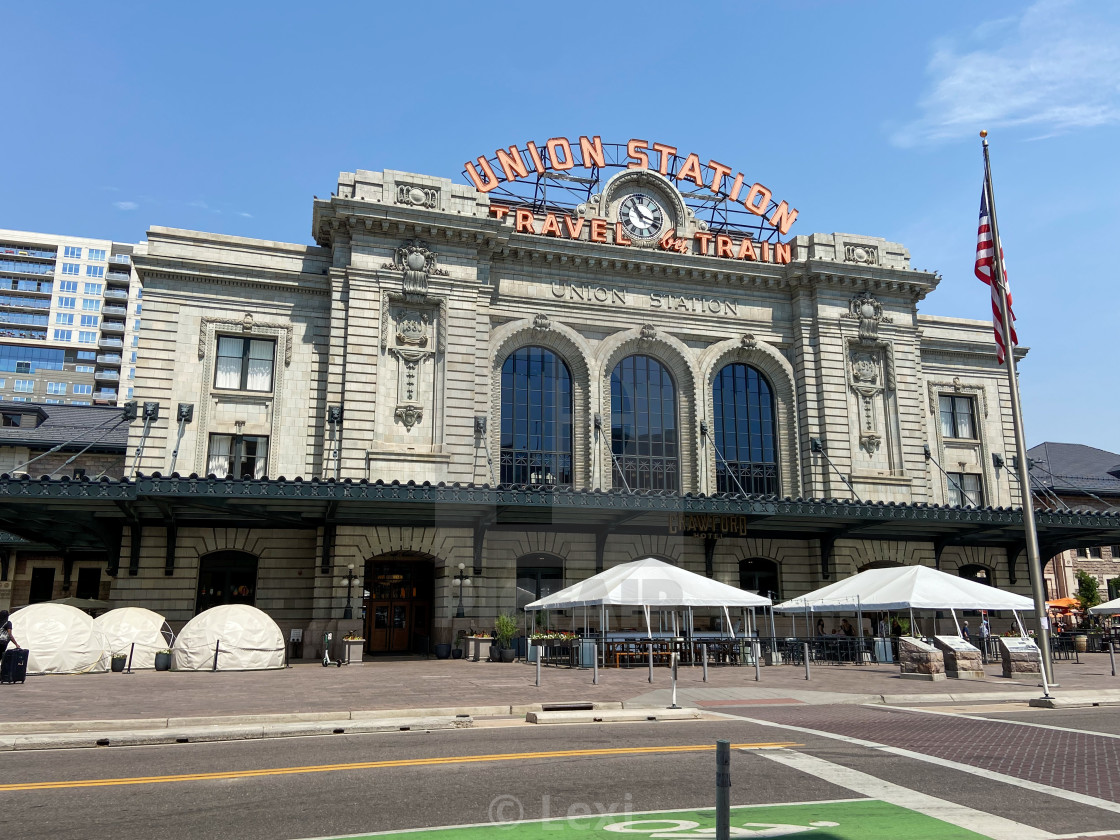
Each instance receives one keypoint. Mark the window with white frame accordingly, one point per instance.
(93, 288)
(95, 271)
(63, 335)
(97, 254)
(24, 386)
(71, 268)
(82, 389)
(244, 364)
(958, 417)
(238, 456)
(68, 285)
(67, 303)
(79, 402)
(66, 319)
(965, 489)
(72, 252)
(87, 337)
(56, 387)
(19, 399)
(83, 368)
(90, 320)
(91, 305)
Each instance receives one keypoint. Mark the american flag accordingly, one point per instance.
(985, 271)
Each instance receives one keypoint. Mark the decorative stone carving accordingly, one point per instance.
(409, 415)
(864, 254)
(748, 341)
(866, 381)
(412, 329)
(648, 332)
(417, 263)
(542, 322)
(417, 196)
(869, 312)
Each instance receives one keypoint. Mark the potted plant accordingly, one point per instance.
(118, 662)
(163, 660)
(457, 650)
(505, 628)
(443, 650)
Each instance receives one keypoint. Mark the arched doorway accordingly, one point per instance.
(398, 603)
(760, 575)
(226, 577)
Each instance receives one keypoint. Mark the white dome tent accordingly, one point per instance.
(60, 640)
(135, 632)
(229, 637)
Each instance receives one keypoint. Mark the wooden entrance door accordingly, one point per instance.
(398, 613)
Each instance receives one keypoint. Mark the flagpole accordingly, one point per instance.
(1034, 564)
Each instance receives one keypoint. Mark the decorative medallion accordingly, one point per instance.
(409, 415)
(417, 263)
(648, 332)
(869, 312)
(748, 341)
(542, 322)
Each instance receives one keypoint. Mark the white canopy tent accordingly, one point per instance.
(239, 637)
(1107, 608)
(60, 640)
(906, 588)
(650, 584)
(137, 632)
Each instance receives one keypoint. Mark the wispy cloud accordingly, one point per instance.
(202, 205)
(125, 205)
(245, 215)
(1053, 70)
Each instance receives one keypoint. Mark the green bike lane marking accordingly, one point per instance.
(863, 819)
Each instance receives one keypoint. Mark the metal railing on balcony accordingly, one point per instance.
(115, 311)
(115, 294)
(123, 259)
(105, 395)
(28, 251)
(117, 277)
(110, 375)
(109, 359)
(115, 343)
(112, 326)
(19, 267)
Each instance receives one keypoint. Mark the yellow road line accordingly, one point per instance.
(374, 765)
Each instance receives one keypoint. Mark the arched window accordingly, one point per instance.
(979, 574)
(644, 426)
(226, 577)
(761, 576)
(536, 443)
(744, 432)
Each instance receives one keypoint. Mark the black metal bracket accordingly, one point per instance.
(480, 528)
(135, 535)
(600, 548)
(1013, 552)
(709, 556)
(827, 544)
(171, 529)
(67, 571)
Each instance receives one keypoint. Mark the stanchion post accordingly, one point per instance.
(756, 652)
(595, 666)
(704, 659)
(132, 651)
(805, 653)
(723, 790)
(540, 655)
(674, 659)
(1111, 657)
(651, 662)
(217, 645)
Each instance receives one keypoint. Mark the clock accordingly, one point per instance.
(642, 217)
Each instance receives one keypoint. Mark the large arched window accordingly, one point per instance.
(760, 576)
(644, 426)
(226, 577)
(976, 573)
(744, 432)
(536, 444)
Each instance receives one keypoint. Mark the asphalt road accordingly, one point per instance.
(261, 792)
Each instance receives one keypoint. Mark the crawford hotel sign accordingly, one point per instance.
(638, 194)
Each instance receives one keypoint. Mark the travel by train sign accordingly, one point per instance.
(538, 187)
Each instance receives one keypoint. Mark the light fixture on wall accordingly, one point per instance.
(348, 610)
(463, 581)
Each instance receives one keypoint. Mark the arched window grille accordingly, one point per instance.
(536, 442)
(644, 437)
(744, 431)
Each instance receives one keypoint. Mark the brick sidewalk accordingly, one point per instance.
(427, 684)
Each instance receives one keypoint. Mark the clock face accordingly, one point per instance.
(641, 216)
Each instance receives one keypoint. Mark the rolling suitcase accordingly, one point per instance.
(13, 667)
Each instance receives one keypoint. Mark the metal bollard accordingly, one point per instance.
(723, 790)
(595, 666)
(217, 645)
(756, 652)
(704, 660)
(805, 652)
(1111, 657)
(651, 661)
(673, 660)
(540, 652)
(132, 651)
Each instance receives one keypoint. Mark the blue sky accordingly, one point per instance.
(228, 117)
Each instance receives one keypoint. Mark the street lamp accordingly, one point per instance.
(463, 581)
(348, 610)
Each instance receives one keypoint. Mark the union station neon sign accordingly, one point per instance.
(534, 183)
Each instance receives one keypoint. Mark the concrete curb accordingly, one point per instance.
(612, 715)
(228, 732)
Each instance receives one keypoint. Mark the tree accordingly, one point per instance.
(1088, 590)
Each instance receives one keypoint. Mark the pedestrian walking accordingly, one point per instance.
(6, 635)
(964, 633)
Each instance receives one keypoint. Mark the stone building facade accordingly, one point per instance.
(390, 351)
